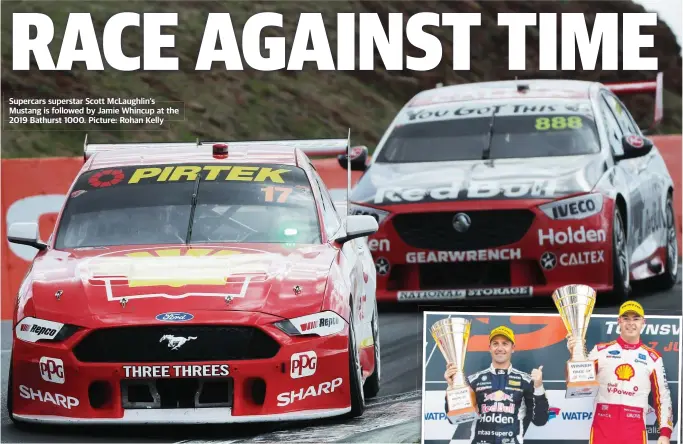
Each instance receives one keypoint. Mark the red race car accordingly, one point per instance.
(187, 283)
(513, 188)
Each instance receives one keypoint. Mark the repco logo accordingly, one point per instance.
(40, 330)
(303, 364)
(324, 322)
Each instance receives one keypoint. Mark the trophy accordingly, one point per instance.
(575, 303)
(451, 336)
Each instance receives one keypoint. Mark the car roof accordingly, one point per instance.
(505, 89)
(122, 155)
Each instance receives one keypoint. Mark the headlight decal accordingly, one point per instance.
(325, 323)
(578, 207)
(33, 330)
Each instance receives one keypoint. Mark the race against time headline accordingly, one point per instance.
(33, 32)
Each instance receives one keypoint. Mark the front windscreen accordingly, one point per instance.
(466, 132)
(195, 204)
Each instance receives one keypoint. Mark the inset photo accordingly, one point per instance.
(565, 377)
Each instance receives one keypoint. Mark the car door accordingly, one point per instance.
(351, 264)
(652, 221)
(626, 168)
(640, 193)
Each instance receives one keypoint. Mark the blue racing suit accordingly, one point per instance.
(507, 402)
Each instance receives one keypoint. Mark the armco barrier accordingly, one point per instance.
(34, 190)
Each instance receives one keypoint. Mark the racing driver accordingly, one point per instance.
(628, 371)
(508, 400)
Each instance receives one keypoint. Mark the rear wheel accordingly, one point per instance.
(669, 278)
(620, 259)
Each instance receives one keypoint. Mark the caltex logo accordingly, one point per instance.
(548, 260)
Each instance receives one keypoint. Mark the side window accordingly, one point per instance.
(624, 118)
(330, 216)
(614, 132)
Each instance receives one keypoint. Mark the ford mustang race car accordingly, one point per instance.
(186, 283)
(513, 188)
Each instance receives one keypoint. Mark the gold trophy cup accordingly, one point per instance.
(575, 303)
(451, 336)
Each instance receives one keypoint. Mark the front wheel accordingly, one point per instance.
(355, 374)
(371, 387)
(668, 279)
(620, 260)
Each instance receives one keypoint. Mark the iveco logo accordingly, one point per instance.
(461, 222)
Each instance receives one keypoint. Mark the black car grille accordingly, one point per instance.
(145, 344)
(489, 229)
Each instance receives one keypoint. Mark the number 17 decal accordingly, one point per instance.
(270, 193)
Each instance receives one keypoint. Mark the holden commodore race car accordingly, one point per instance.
(513, 188)
(189, 283)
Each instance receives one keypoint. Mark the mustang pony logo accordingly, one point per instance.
(175, 342)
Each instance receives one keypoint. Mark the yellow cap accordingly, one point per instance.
(503, 331)
(631, 306)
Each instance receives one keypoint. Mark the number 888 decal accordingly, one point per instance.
(558, 123)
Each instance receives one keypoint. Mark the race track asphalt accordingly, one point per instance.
(401, 336)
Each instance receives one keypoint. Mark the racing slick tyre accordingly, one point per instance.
(355, 374)
(371, 387)
(620, 260)
(668, 279)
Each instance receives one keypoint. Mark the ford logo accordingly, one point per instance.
(174, 317)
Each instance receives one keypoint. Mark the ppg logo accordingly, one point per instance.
(303, 364)
(52, 370)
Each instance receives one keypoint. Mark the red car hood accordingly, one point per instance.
(148, 280)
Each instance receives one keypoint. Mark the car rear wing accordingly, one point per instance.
(656, 86)
(312, 147)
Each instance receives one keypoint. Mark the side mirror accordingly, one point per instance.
(25, 233)
(359, 158)
(634, 146)
(358, 226)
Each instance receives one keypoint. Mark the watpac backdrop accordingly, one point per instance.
(540, 340)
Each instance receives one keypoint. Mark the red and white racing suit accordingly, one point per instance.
(627, 374)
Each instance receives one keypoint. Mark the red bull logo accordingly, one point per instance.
(498, 407)
(498, 396)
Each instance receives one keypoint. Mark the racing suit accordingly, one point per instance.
(627, 374)
(507, 402)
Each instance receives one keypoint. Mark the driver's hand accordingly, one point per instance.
(451, 370)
